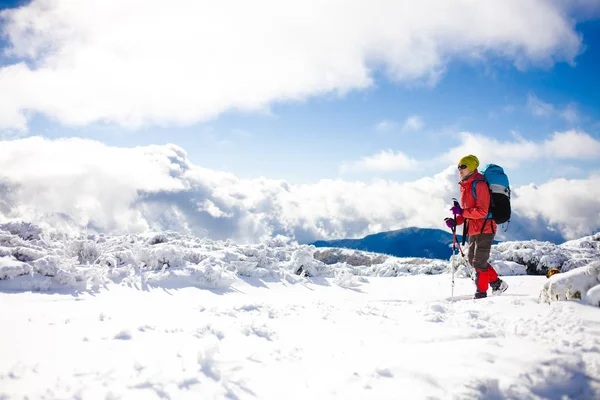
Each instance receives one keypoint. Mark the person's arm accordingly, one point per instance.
(482, 204)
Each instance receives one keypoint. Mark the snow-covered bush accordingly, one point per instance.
(168, 259)
(581, 284)
(86, 251)
(593, 296)
(24, 230)
(331, 256)
(11, 268)
(538, 257)
(344, 277)
(303, 262)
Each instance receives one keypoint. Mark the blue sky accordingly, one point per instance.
(304, 141)
(307, 140)
(303, 92)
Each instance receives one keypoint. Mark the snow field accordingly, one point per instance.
(166, 316)
(386, 338)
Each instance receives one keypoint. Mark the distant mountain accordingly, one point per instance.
(407, 242)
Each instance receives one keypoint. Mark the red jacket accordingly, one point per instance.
(475, 211)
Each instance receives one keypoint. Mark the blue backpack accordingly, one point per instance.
(497, 181)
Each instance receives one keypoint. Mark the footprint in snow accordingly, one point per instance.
(384, 372)
(261, 331)
(123, 335)
(435, 313)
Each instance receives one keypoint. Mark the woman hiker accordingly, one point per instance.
(480, 230)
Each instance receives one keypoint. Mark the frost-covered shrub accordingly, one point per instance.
(161, 256)
(510, 268)
(461, 266)
(26, 254)
(24, 230)
(210, 273)
(588, 242)
(51, 265)
(157, 239)
(393, 266)
(86, 251)
(593, 296)
(345, 277)
(356, 258)
(278, 241)
(169, 259)
(11, 268)
(539, 257)
(303, 263)
(574, 284)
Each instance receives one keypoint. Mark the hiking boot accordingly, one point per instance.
(480, 295)
(498, 287)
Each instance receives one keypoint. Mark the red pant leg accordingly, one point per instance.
(492, 275)
(481, 280)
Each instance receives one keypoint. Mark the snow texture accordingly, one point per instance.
(169, 259)
(163, 315)
(389, 338)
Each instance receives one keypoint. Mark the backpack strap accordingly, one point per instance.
(474, 186)
(483, 226)
(474, 189)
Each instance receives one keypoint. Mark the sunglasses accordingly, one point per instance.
(462, 166)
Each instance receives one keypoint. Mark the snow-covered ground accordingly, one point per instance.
(389, 338)
(161, 316)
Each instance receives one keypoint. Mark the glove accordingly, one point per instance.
(456, 210)
(450, 223)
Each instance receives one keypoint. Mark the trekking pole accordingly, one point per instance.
(453, 255)
(454, 242)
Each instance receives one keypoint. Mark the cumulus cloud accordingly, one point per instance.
(79, 185)
(540, 108)
(76, 184)
(571, 144)
(384, 161)
(134, 62)
(569, 207)
(561, 145)
(413, 123)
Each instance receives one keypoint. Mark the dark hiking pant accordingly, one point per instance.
(479, 252)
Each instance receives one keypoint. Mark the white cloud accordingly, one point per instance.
(384, 161)
(386, 126)
(570, 114)
(81, 184)
(212, 209)
(571, 206)
(538, 107)
(135, 62)
(561, 145)
(413, 123)
(573, 145)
